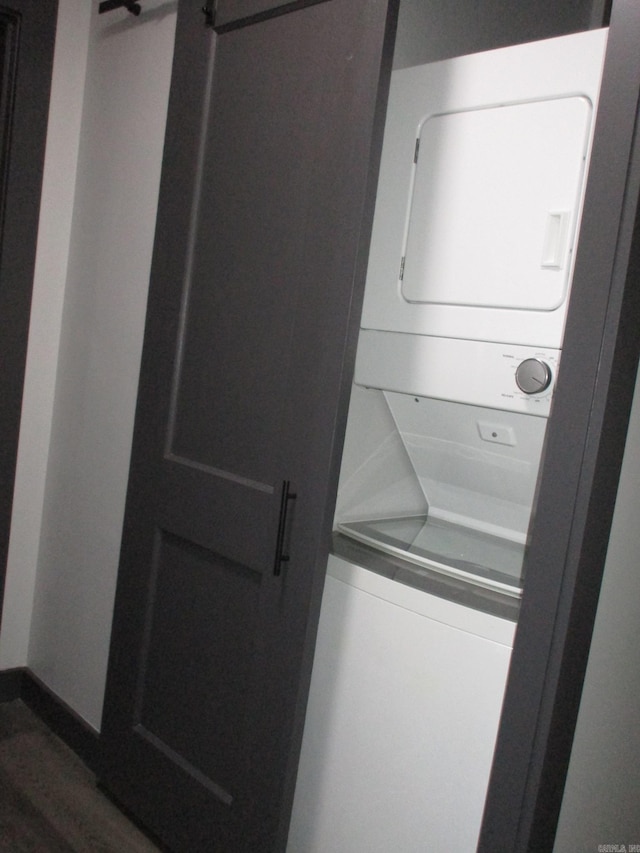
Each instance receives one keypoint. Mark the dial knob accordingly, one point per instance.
(533, 376)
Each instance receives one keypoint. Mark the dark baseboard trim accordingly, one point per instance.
(11, 684)
(65, 723)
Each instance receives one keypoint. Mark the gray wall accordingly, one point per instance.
(50, 275)
(601, 800)
(122, 133)
(60, 592)
(429, 30)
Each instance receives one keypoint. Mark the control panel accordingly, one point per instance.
(533, 376)
(482, 373)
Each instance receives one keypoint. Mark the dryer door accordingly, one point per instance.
(493, 209)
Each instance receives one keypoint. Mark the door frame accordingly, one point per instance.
(29, 110)
(579, 480)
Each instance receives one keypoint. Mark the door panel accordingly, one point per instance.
(274, 129)
(213, 645)
(222, 504)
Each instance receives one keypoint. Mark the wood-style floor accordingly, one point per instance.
(49, 802)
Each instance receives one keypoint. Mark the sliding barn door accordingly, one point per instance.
(273, 135)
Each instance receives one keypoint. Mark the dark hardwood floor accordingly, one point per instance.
(49, 802)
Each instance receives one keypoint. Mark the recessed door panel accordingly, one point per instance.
(199, 645)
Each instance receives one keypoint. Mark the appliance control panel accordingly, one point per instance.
(511, 377)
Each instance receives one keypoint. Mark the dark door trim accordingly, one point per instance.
(27, 99)
(577, 492)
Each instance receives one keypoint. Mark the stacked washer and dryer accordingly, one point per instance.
(475, 230)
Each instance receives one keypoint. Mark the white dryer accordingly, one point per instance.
(480, 193)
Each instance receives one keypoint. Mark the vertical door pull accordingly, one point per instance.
(285, 499)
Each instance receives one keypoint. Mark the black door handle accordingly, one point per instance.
(287, 496)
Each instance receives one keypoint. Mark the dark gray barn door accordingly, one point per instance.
(274, 130)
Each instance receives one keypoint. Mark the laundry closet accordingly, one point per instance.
(477, 221)
(451, 542)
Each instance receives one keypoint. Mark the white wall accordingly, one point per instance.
(123, 121)
(58, 190)
(600, 804)
(120, 152)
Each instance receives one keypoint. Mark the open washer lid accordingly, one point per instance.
(477, 467)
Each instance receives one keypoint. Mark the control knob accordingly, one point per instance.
(533, 376)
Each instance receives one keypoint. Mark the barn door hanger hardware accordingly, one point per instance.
(129, 5)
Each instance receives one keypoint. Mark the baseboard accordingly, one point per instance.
(11, 684)
(62, 720)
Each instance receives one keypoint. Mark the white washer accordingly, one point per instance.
(403, 713)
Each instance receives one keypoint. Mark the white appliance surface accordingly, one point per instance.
(403, 714)
(477, 467)
(480, 192)
(481, 373)
(494, 198)
(433, 546)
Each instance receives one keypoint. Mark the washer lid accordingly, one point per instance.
(477, 467)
